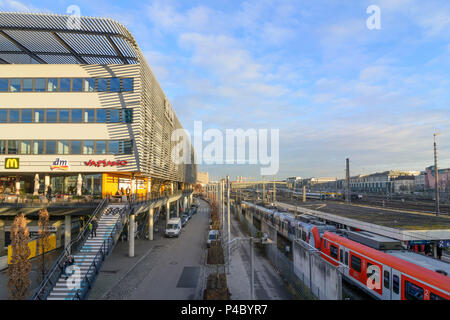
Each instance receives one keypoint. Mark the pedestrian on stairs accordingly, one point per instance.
(91, 229)
(94, 226)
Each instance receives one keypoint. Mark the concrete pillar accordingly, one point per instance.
(167, 212)
(178, 208)
(36, 185)
(131, 226)
(67, 230)
(79, 184)
(47, 183)
(2, 238)
(17, 185)
(133, 185)
(435, 250)
(150, 224)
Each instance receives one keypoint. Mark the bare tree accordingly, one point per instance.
(43, 241)
(20, 267)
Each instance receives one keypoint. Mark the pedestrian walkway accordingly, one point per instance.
(87, 257)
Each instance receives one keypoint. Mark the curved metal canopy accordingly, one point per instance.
(59, 39)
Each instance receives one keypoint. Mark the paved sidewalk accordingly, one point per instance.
(268, 284)
(118, 265)
(161, 269)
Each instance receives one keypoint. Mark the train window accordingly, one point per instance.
(355, 263)
(386, 279)
(434, 296)
(346, 258)
(333, 251)
(413, 292)
(341, 255)
(395, 284)
(325, 243)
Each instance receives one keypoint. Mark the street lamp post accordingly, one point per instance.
(436, 175)
(228, 222)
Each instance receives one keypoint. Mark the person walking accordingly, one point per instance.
(90, 226)
(49, 193)
(94, 226)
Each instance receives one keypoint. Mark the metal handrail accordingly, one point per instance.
(107, 244)
(56, 270)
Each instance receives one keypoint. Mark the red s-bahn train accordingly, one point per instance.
(381, 274)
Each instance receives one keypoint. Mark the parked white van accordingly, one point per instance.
(173, 227)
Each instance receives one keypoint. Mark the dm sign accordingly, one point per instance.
(60, 164)
(11, 163)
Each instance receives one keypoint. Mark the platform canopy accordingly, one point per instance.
(34, 38)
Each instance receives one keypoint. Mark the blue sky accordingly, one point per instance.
(334, 88)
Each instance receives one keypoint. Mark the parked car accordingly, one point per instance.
(213, 235)
(184, 219)
(173, 228)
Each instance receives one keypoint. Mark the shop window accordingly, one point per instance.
(89, 85)
(100, 147)
(64, 115)
(102, 115)
(38, 147)
(63, 147)
(102, 85)
(52, 85)
(27, 85)
(114, 115)
(2, 147)
(39, 115)
(3, 85)
(52, 115)
(64, 84)
(77, 115)
(3, 115)
(39, 85)
(27, 115)
(15, 85)
(77, 84)
(50, 147)
(88, 147)
(127, 84)
(75, 147)
(25, 147)
(89, 115)
(14, 116)
(114, 84)
(12, 146)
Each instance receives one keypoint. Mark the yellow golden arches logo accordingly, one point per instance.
(11, 163)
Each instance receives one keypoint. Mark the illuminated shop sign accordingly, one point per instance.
(11, 163)
(60, 164)
(104, 163)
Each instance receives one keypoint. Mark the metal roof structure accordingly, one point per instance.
(32, 38)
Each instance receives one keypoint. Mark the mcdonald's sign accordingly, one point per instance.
(11, 163)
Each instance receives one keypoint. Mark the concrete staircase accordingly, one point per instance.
(87, 258)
